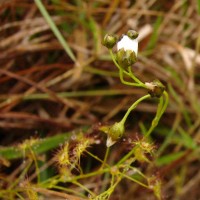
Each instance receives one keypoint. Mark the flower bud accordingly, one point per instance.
(109, 41)
(126, 58)
(155, 88)
(132, 34)
(114, 132)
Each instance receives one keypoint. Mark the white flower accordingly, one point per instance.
(128, 44)
(114, 132)
(110, 141)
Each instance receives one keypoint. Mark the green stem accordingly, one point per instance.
(84, 188)
(82, 176)
(163, 102)
(134, 180)
(154, 122)
(166, 102)
(128, 155)
(137, 83)
(117, 65)
(121, 72)
(37, 171)
(105, 157)
(135, 78)
(93, 156)
(133, 107)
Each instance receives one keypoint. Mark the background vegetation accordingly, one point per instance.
(59, 85)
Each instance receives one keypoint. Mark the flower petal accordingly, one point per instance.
(128, 44)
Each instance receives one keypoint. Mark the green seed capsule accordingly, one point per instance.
(155, 88)
(126, 58)
(132, 34)
(109, 41)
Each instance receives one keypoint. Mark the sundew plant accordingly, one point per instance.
(99, 100)
(69, 157)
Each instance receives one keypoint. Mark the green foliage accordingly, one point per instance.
(169, 158)
(154, 36)
(38, 146)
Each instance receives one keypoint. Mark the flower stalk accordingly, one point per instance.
(124, 58)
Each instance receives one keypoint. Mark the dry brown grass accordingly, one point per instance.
(33, 63)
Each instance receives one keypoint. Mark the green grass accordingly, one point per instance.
(55, 30)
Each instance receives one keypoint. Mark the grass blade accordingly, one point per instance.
(41, 146)
(55, 29)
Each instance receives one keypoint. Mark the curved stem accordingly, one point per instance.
(166, 102)
(133, 107)
(135, 78)
(163, 102)
(126, 82)
(117, 65)
(127, 156)
(137, 83)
